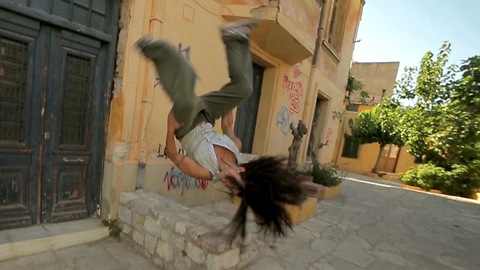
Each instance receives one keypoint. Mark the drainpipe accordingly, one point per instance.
(318, 42)
(312, 89)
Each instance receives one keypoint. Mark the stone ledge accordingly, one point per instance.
(49, 237)
(168, 233)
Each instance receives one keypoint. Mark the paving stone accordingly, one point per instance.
(138, 237)
(181, 261)
(152, 226)
(392, 259)
(165, 250)
(339, 263)
(223, 261)
(353, 251)
(266, 263)
(323, 246)
(126, 197)
(367, 227)
(125, 215)
(106, 254)
(138, 221)
(182, 226)
(139, 205)
(150, 243)
(126, 229)
(216, 242)
(195, 253)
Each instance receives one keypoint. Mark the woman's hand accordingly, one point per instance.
(173, 124)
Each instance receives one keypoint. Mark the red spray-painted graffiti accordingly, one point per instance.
(329, 134)
(175, 179)
(294, 88)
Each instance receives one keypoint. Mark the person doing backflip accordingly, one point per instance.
(264, 184)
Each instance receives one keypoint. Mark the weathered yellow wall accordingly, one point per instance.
(386, 73)
(375, 77)
(367, 153)
(290, 86)
(330, 79)
(405, 161)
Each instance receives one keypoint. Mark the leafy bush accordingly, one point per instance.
(325, 175)
(426, 176)
(460, 180)
(113, 228)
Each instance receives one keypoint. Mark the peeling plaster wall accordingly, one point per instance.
(333, 74)
(375, 76)
(306, 15)
(139, 108)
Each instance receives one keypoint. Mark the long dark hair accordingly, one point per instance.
(267, 186)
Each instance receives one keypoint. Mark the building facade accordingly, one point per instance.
(378, 79)
(301, 54)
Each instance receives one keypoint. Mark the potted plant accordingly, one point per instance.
(328, 177)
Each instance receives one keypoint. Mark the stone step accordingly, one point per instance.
(175, 236)
(48, 237)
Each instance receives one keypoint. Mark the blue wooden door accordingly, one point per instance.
(54, 84)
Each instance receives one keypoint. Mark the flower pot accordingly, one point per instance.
(331, 192)
(412, 187)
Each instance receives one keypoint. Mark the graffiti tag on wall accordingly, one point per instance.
(293, 87)
(175, 179)
(283, 120)
(329, 134)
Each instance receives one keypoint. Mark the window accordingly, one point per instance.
(350, 147)
(352, 107)
(337, 24)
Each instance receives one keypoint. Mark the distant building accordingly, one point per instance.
(378, 79)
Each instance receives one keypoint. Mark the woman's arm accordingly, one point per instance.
(227, 128)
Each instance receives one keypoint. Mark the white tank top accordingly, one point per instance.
(198, 144)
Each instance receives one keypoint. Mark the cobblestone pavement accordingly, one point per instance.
(372, 225)
(106, 254)
(375, 226)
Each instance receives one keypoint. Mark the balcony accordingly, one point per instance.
(288, 36)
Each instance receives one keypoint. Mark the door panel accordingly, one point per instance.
(246, 117)
(388, 158)
(17, 141)
(56, 65)
(68, 126)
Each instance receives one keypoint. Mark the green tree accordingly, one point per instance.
(427, 91)
(441, 119)
(378, 126)
(435, 111)
(354, 85)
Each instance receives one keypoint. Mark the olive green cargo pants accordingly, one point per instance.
(178, 80)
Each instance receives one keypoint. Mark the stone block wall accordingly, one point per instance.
(176, 237)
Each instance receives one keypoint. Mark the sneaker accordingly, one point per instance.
(239, 28)
(143, 42)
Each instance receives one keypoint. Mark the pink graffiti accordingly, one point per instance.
(175, 179)
(329, 134)
(296, 72)
(294, 90)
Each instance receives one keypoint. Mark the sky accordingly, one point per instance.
(404, 30)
